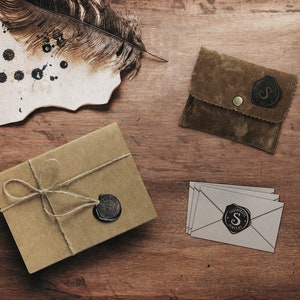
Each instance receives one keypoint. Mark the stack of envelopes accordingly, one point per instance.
(239, 215)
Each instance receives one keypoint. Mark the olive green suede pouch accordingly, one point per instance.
(238, 100)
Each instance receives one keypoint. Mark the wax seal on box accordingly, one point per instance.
(236, 218)
(108, 209)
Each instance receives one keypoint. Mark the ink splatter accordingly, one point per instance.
(45, 66)
(52, 78)
(47, 48)
(19, 75)
(58, 36)
(8, 54)
(63, 64)
(61, 42)
(3, 77)
(4, 27)
(37, 74)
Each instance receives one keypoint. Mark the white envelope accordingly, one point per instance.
(262, 231)
(194, 188)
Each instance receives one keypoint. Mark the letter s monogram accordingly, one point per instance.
(238, 221)
(264, 94)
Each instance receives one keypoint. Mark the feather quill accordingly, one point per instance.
(89, 29)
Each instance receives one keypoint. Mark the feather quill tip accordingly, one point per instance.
(161, 59)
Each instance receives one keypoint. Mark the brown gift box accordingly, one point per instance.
(48, 185)
(238, 100)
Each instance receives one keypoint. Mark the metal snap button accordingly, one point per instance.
(237, 101)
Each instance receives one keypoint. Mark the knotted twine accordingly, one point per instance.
(55, 188)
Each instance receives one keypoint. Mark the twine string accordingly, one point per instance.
(54, 189)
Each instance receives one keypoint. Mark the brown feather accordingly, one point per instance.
(89, 29)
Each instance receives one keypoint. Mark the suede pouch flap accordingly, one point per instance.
(243, 87)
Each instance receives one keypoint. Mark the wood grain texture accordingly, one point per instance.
(158, 260)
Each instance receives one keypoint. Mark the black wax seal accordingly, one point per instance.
(236, 218)
(266, 92)
(108, 209)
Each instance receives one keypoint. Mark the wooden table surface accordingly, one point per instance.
(158, 260)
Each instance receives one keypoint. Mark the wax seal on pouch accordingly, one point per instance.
(108, 209)
(266, 92)
(236, 218)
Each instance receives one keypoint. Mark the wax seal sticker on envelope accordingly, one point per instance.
(237, 215)
(236, 218)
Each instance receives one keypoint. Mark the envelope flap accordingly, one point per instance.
(268, 226)
(222, 198)
(248, 238)
(264, 93)
(206, 212)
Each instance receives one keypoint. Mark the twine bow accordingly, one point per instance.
(54, 188)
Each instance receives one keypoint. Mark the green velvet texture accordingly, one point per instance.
(216, 80)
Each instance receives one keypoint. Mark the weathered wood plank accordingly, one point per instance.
(158, 260)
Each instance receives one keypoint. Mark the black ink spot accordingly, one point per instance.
(8, 54)
(4, 27)
(20, 110)
(19, 75)
(44, 67)
(37, 74)
(3, 77)
(58, 36)
(63, 64)
(52, 78)
(61, 42)
(47, 48)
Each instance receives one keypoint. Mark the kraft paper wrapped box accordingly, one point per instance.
(49, 201)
